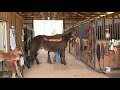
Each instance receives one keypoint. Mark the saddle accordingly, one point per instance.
(53, 38)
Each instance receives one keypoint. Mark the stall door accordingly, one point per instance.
(87, 44)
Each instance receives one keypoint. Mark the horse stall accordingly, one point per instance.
(9, 21)
(110, 52)
(95, 48)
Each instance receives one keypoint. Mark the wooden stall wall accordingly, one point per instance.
(19, 28)
(12, 19)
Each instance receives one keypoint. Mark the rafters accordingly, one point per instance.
(61, 15)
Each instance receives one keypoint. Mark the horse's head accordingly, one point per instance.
(67, 35)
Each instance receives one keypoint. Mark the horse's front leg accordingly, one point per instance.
(49, 60)
(13, 74)
(17, 70)
(37, 61)
(13, 71)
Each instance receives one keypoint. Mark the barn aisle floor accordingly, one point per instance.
(73, 69)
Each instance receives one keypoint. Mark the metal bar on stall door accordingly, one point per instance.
(101, 32)
(118, 31)
(115, 31)
(96, 30)
(101, 29)
(109, 30)
(98, 33)
(104, 28)
(112, 28)
(114, 34)
(96, 23)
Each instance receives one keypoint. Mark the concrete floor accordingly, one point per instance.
(73, 69)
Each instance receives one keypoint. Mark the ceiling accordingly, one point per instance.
(63, 15)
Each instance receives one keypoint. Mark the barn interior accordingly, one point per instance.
(91, 28)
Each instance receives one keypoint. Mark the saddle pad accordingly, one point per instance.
(53, 39)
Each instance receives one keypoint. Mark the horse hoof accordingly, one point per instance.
(64, 63)
(37, 62)
(29, 67)
(49, 62)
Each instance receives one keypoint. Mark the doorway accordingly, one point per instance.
(3, 36)
(3, 40)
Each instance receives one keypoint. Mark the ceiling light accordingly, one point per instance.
(74, 12)
(48, 18)
(109, 12)
(102, 15)
(98, 17)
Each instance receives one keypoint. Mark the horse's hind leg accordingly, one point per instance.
(63, 54)
(49, 60)
(61, 58)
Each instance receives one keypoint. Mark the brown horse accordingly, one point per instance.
(10, 59)
(50, 44)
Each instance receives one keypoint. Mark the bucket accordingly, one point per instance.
(108, 69)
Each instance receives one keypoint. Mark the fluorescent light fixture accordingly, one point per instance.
(102, 15)
(97, 17)
(109, 12)
(48, 18)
